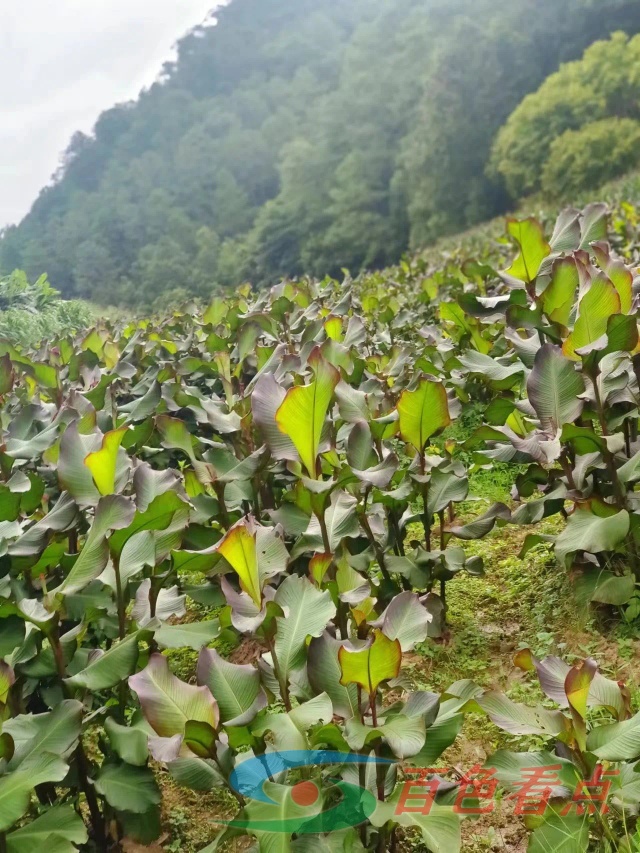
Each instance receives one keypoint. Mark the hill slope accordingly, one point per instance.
(295, 137)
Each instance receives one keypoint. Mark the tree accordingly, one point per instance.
(603, 83)
(598, 152)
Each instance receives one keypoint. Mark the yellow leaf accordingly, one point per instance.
(102, 463)
(378, 661)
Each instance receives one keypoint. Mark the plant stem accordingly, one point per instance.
(399, 542)
(326, 544)
(97, 820)
(380, 768)
(341, 617)
(214, 755)
(360, 710)
(426, 518)
(443, 583)
(627, 437)
(122, 628)
(362, 775)
(364, 521)
(218, 487)
(608, 456)
(282, 681)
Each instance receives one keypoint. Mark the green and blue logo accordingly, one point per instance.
(356, 804)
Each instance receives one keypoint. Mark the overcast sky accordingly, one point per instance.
(64, 61)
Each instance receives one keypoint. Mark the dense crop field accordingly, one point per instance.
(331, 562)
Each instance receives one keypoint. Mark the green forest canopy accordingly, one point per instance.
(299, 137)
(581, 125)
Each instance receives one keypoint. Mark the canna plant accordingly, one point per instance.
(581, 789)
(565, 367)
(251, 460)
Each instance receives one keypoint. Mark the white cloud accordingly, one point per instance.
(62, 62)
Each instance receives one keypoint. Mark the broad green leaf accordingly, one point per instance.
(453, 313)
(612, 589)
(138, 552)
(129, 742)
(554, 386)
(617, 741)
(255, 553)
(341, 522)
(440, 828)
(34, 540)
(593, 527)
(216, 312)
(107, 669)
(128, 788)
(404, 735)
(444, 488)
(405, 620)
(236, 688)
(622, 334)
(509, 767)
(148, 484)
(378, 660)
(280, 811)
(423, 413)
(113, 512)
(521, 719)
(77, 477)
(266, 399)
(620, 275)
(630, 471)
(439, 736)
(168, 603)
(559, 297)
(54, 732)
(578, 685)
(324, 673)
(7, 679)
(598, 304)
(533, 247)
(167, 514)
(191, 635)
(12, 631)
(58, 830)
(560, 834)
(175, 435)
(200, 738)
(501, 376)
(16, 788)
(140, 409)
(289, 730)
(102, 463)
(168, 703)
(303, 411)
(307, 612)
(593, 225)
(566, 231)
(199, 774)
(552, 673)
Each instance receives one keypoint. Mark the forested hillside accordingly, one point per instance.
(296, 136)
